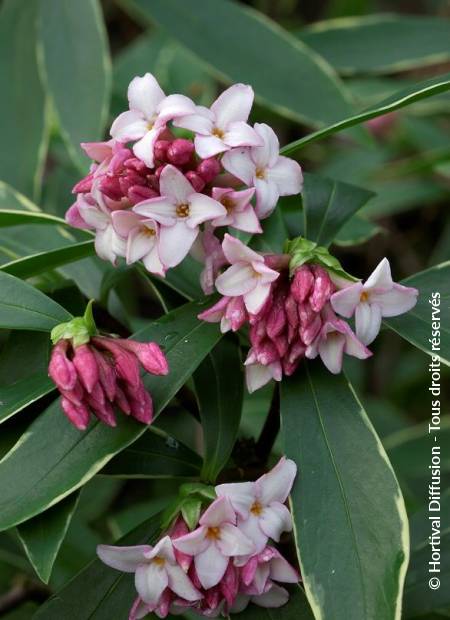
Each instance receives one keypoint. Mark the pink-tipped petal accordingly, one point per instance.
(86, 365)
(125, 559)
(276, 485)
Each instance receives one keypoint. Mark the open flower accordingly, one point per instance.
(248, 275)
(224, 125)
(179, 210)
(149, 112)
(379, 297)
(215, 540)
(333, 340)
(268, 564)
(155, 570)
(141, 237)
(272, 174)
(240, 213)
(260, 504)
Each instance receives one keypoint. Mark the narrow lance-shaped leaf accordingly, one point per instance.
(242, 45)
(155, 455)
(350, 521)
(219, 387)
(73, 40)
(24, 307)
(35, 475)
(406, 97)
(13, 217)
(417, 326)
(42, 536)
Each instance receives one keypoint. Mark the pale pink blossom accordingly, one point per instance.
(240, 212)
(260, 505)
(224, 124)
(207, 249)
(333, 340)
(215, 540)
(267, 565)
(149, 112)
(379, 297)
(141, 237)
(155, 569)
(263, 167)
(274, 596)
(179, 211)
(258, 374)
(248, 275)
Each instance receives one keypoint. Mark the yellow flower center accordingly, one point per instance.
(218, 133)
(159, 561)
(260, 173)
(256, 509)
(213, 533)
(364, 296)
(228, 204)
(148, 232)
(183, 210)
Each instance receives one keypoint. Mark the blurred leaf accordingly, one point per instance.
(185, 278)
(105, 592)
(380, 43)
(37, 474)
(241, 45)
(398, 195)
(274, 234)
(12, 217)
(355, 231)
(219, 383)
(385, 416)
(350, 519)
(23, 104)
(327, 205)
(406, 97)
(42, 536)
(419, 523)
(24, 307)
(11, 199)
(122, 522)
(77, 69)
(297, 608)
(140, 56)
(416, 325)
(45, 261)
(155, 455)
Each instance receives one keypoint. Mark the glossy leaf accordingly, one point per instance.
(45, 261)
(24, 307)
(105, 592)
(350, 521)
(43, 535)
(297, 608)
(416, 325)
(248, 47)
(355, 231)
(328, 205)
(15, 396)
(22, 124)
(155, 455)
(416, 92)
(219, 387)
(12, 217)
(73, 39)
(35, 475)
(380, 43)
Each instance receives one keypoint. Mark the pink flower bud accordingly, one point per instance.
(107, 375)
(160, 149)
(75, 395)
(276, 319)
(266, 353)
(102, 410)
(159, 170)
(212, 597)
(138, 193)
(140, 403)
(195, 180)
(302, 283)
(249, 569)
(126, 364)
(74, 218)
(110, 186)
(290, 305)
(208, 169)
(309, 332)
(323, 288)
(149, 355)
(83, 186)
(306, 314)
(61, 369)
(180, 151)
(77, 414)
(281, 343)
(236, 313)
(122, 402)
(229, 584)
(133, 163)
(178, 529)
(86, 366)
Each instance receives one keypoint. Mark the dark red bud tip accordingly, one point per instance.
(195, 180)
(160, 149)
(180, 151)
(208, 169)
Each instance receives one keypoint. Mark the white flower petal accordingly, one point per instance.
(233, 542)
(234, 104)
(235, 251)
(275, 597)
(381, 277)
(180, 584)
(143, 149)
(240, 494)
(139, 244)
(210, 565)
(104, 244)
(257, 375)
(163, 549)
(124, 222)
(175, 106)
(129, 126)
(251, 530)
(344, 302)
(208, 146)
(287, 176)
(151, 580)
(192, 543)
(274, 520)
(367, 321)
(246, 220)
(200, 122)
(175, 243)
(173, 184)
(331, 351)
(153, 263)
(220, 511)
(239, 163)
(281, 570)
(241, 134)
(236, 280)
(276, 485)
(203, 208)
(267, 195)
(144, 94)
(125, 559)
(267, 155)
(161, 209)
(398, 300)
(255, 299)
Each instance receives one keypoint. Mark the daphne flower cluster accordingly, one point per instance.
(97, 374)
(223, 564)
(292, 313)
(150, 195)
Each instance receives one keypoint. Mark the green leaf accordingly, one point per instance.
(20, 394)
(416, 325)
(42, 536)
(155, 455)
(23, 105)
(297, 608)
(219, 386)
(248, 47)
(328, 205)
(13, 217)
(355, 231)
(37, 474)
(12, 200)
(405, 97)
(77, 68)
(350, 521)
(380, 43)
(45, 261)
(24, 307)
(273, 236)
(99, 592)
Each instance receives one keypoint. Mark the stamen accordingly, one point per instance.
(256, 509)
(213, 533)
(183, 210)
(364, 296)
(159, 561)
(260, 173)
(218, 133)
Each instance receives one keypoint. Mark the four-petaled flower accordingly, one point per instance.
(141, 237)
(379, 297)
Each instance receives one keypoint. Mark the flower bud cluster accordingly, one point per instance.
(225, 563)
